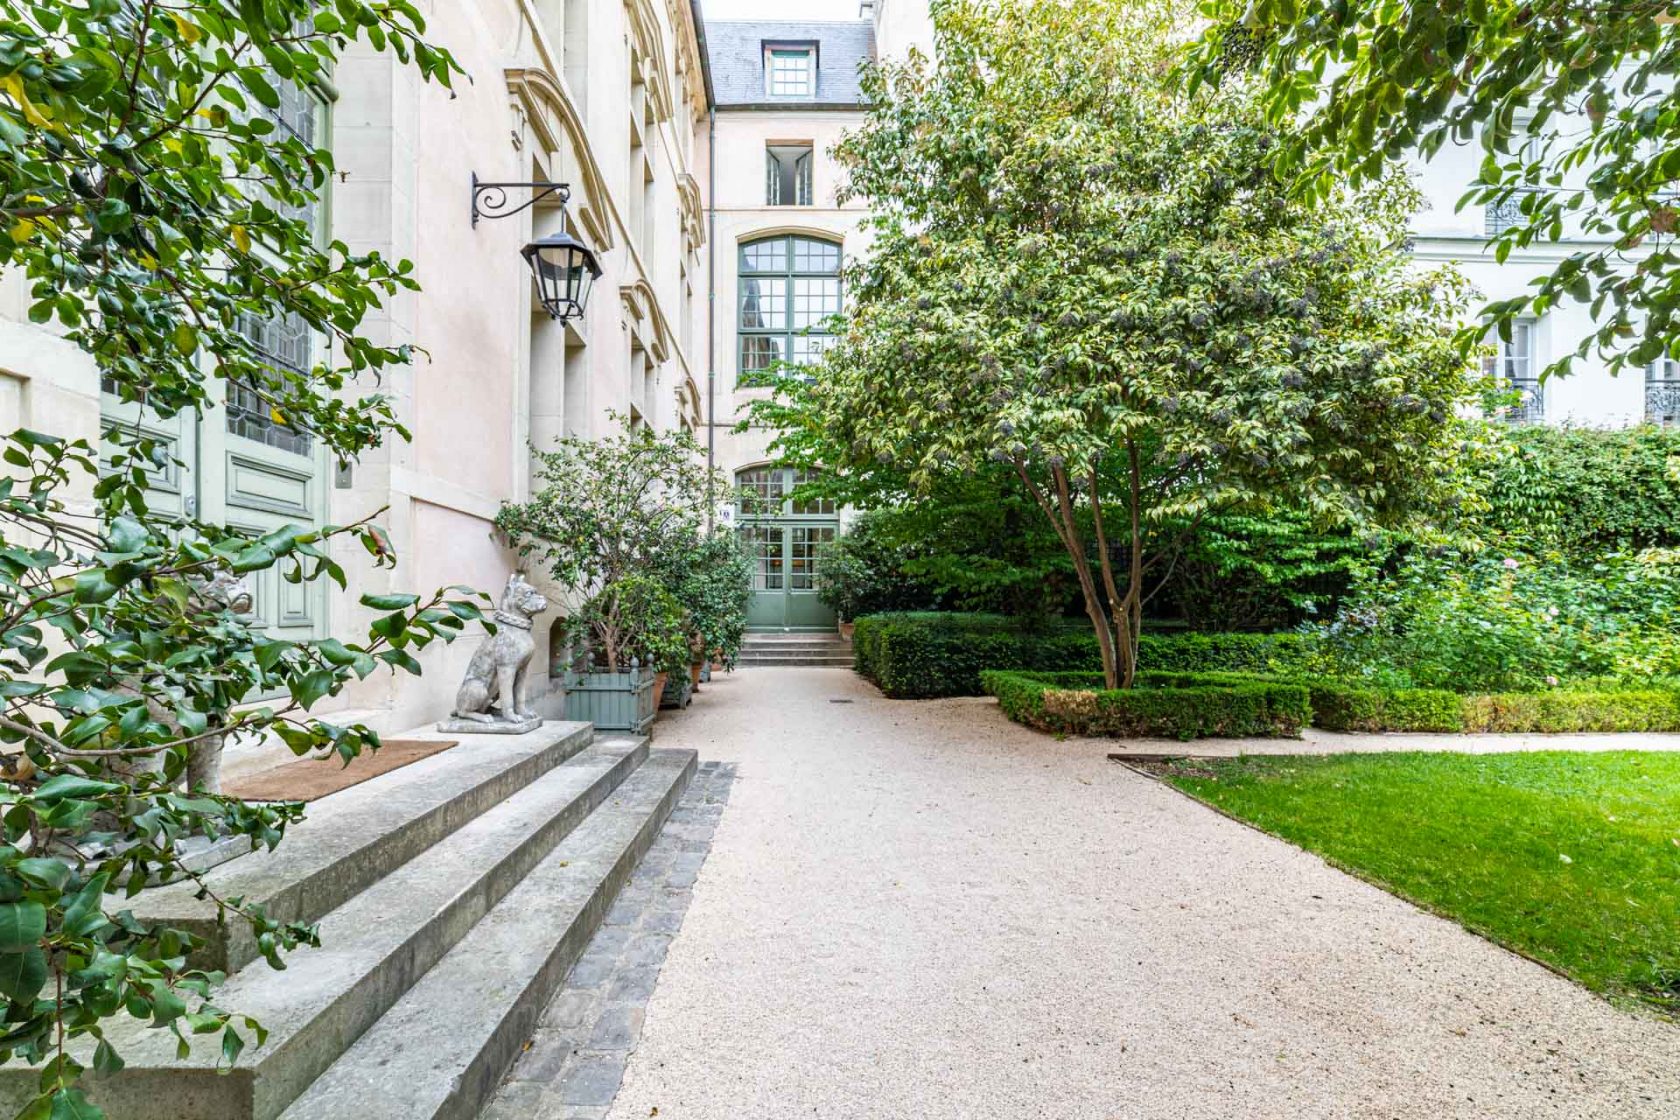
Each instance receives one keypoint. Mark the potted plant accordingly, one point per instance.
(617, 520)
(843, 581)
(715, 589)
(624, 637)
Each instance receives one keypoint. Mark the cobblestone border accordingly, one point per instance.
(572, 1068)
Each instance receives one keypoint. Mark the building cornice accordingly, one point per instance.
(643, 306)
(650, 47)
(548, 108)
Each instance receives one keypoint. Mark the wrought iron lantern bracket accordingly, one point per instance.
(490, 200)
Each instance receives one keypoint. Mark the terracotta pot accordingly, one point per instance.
(659, 684)
(694, 673)
(846, 629)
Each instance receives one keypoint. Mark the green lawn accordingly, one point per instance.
(1573, 859)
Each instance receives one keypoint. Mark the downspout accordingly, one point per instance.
(711, 263)
(711, 314)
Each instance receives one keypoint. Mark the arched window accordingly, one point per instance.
(790, 285)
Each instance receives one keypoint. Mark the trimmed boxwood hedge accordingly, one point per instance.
(917, 655)
(1344, 707)
(1163, 705)
(1193, 705)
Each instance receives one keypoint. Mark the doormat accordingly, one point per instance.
(310, 779)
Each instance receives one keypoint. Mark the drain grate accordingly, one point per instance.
(837, 700)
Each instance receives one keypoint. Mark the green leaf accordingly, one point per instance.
(394, 602)
(43, 872)
(126, 534)
(311, 686)
(22, 925)
(72, 1104)
(84, 915)
(73, 785)
(23, 975)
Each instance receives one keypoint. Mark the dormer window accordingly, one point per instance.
(790, 71)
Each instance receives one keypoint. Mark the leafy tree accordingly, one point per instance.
(1574, 104)
(1245, 572)
(1087, 276)
(630, 505)
(153, 206)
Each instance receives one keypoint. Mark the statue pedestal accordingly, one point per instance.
(459, 726)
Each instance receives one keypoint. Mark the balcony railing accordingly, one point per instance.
(1662, 401)
(1531, 407)
(1501, 216)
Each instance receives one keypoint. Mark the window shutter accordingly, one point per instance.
(802, 175)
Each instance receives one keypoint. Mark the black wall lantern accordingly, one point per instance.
(562, 267)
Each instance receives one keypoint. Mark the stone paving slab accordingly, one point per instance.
(572, 1067)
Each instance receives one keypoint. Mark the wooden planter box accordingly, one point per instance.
(612, 701)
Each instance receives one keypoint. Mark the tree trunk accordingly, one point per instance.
(1110, 617)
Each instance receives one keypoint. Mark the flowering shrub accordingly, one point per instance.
(1505, 621)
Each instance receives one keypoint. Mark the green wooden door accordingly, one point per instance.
(786, 540)
(240, 467)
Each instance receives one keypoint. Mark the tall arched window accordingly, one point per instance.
(789, 286)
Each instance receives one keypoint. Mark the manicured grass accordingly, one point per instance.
(1573, 859)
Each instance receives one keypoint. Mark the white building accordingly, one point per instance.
(782, 93)
(1590, 396)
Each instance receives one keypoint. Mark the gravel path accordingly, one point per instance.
(920, 910)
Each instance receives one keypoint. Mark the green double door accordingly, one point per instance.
(786, 539)
(784, 587)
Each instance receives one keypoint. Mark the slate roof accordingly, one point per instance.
(735, 57)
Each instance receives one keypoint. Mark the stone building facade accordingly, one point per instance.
(783, 92)
(605, 95)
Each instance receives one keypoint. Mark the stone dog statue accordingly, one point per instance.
(492, 697)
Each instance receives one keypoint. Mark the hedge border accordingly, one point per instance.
(1164, 705)
(1075, 703)
(920, 655)
(1344, 707)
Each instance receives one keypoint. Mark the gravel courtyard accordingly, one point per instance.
(920, 910)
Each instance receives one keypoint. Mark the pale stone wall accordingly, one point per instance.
(558, 90)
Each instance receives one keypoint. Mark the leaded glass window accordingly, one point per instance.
(767, 492)
(790, 287)
(804, 549)
(764, 544)
(284, 344)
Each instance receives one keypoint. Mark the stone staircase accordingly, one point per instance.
(763, 650)
(453, 896)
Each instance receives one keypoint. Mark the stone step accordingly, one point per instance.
(373, 949)
(761, 660)
(439, 1053)
(352, 838)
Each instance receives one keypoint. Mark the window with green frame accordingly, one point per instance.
(288, 342)
(790, 286)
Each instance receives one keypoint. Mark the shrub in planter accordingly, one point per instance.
(715, 590)
(618, 519)
(1172, 705)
